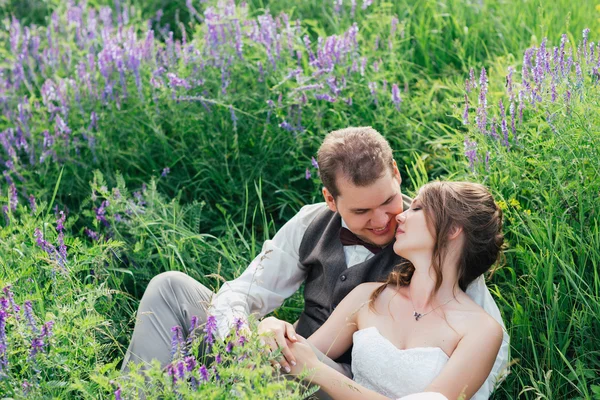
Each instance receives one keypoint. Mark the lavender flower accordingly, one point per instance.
(286, 125)
(233, 117)
(176, 341)
(27, 310)
(466, 111)
(13, 199)
(165, 172)
(11, 301)
(307, 174)
(229, 347)
(481, 117)
(396, 96)
(373, 90)
(204, 373)
(210, 329)
(60, 222)
(118, 393)
(314, 164)
(37, 344)
(366, 4)
(32, 204)
(471, 152)
(326, 97)
(95, 236)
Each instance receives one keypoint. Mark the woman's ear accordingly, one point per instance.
(455, 232)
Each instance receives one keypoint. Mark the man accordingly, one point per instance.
(332, 247)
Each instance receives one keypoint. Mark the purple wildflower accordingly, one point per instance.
(95, 236)
(366, 4)
(11, 300)
(28, 311)
(37, 344)
(13, 199)
(190, 363)
(307, 174)
(326, 97)
(176, 341)
(373, 90)
(286, 125)
(314, 164)
(180, 369)
(210, 329)
(204, 373)
(233, 117)
(396, 96)
(47, 329)
(118, 393)
(101, 212)
(242, 340)
(471, 152)
(503, 124)
(176, 81)
(466, 111)
(229, 347)
(32, 204)
(60, 222)
(165, 172)
(481, 117)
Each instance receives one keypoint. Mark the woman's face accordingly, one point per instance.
(413, 235)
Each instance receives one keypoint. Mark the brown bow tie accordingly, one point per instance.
(350, 239)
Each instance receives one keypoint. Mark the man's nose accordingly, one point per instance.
(380, 219)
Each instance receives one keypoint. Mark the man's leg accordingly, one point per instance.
(170, 299)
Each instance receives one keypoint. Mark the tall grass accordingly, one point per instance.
(186, 152)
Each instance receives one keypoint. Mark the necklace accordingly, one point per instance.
(418, 316)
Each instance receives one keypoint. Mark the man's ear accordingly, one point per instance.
(455, 232)
(396, 172)
(329, 199)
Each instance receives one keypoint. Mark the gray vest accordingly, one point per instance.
(329, 280)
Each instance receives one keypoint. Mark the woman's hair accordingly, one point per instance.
(451, 205)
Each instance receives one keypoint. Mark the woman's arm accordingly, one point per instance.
(334, 337)
(471, 361)
(337, 385)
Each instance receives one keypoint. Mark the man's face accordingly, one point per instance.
(369, 211)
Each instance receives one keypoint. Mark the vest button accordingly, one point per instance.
(343, 278)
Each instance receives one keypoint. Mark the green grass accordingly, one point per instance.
(232, 184)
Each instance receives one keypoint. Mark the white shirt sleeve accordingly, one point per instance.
(480, 294)
(271, 277)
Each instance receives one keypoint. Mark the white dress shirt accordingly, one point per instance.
(275, 274)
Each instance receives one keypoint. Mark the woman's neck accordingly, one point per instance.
(422, 284)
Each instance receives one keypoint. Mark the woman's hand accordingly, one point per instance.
(305, 357)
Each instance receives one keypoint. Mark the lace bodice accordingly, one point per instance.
(379, 365)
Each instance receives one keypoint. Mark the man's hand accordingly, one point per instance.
(274, 333)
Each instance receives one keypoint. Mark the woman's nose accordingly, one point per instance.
(401, 217)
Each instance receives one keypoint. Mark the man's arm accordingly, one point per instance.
(273, 275)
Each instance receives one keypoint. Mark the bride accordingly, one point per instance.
(419, 331)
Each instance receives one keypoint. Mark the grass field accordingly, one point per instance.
(147, 136)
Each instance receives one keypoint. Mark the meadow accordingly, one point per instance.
(147, 136)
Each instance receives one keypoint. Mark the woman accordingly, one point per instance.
(419, 331)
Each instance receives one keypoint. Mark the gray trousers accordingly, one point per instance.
(171, 299)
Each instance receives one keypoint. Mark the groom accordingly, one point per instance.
(331, 247)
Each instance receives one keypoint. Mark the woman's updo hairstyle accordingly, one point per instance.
(448, 205)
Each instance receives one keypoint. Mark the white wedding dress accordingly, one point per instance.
(379, 365)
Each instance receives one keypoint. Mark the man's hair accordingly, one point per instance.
(360, 154)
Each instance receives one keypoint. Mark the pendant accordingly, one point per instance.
(417, 315)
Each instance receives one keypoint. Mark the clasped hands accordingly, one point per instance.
(296, 352)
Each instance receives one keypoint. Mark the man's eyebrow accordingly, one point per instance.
(388, 200)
